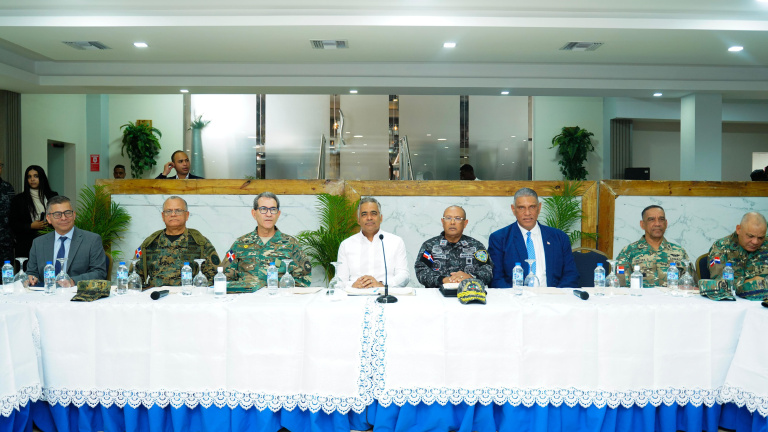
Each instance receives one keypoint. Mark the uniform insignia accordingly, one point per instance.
(547, 242)
(436, 265)
(620, 269)
(464, 243)
(481, 256)
(443, 242)
(428, 256)
(715, 260)
(230, 256)
(245, 246)
(137, 254)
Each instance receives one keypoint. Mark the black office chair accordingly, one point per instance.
(586, 261)
(702, 267)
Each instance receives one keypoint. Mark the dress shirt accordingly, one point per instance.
(361, 257)
(538, 247)
(57, 243)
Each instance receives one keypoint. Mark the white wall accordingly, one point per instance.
(167, 115)
(550, 115)
(55, 117)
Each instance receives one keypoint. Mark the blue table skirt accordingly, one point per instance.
(393, 418)
(18, 421)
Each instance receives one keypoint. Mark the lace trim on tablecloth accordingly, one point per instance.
(20, 399)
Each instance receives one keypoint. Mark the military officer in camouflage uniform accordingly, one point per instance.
(747, 251)
(452, 256)
(653, 253)
(163, 253)
(6, 237)
(250, 255)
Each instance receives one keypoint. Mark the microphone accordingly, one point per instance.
(581, 294)
(386, 298)
(156, 295)
(765, 303)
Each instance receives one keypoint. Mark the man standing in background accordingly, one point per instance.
(119, 172)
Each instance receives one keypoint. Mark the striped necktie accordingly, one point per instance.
(531, 251)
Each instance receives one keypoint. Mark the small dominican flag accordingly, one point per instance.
(138, 252)
(715, 260)
(621, 269)
(428, 256)
(230, 255)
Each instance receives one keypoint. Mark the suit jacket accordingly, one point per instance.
(506, 247)
(190, 177)
(86, 260)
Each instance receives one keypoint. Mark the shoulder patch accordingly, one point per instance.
(481, 255)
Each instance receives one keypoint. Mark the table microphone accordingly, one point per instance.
(386, 298)
(581, 294)
(765, 303)
(156, 295)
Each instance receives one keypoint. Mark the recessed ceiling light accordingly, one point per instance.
(505, 92)
(252, 137)
(346, 132)
(353, 91)
(415, 154)
(506, 148)
(184, 91)
(357, 136)
(140, 44)
(442, 139)
(353, 152)
(449, 45)
(365, 144)
(446, 146)
(736, 48)
(429, 134)
(657, 94)
(512, 136)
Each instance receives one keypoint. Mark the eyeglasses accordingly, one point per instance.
(174, 212)
(456, 218)
(272, 210)
(58, 215)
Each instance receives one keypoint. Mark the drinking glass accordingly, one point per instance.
(531, 280)
(62, 279)
(134, 280)
(21, 276)
(336, 283)
(685, 284)
(287, 283)
(612, 281)
(200, 281)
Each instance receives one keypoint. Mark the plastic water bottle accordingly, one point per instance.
(728, 277)
(220, 284)
(599, 276)
(7, 278)
(122, 278)
(517, 279)
(272, 279)
(636, 282)
(186, 279)
(49, 278)
(672, 278)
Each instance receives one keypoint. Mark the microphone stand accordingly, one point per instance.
(386, 298)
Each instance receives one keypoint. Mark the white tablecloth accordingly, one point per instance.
(19, 374)
(314, 353)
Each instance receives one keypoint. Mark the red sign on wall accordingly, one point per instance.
(94, 162)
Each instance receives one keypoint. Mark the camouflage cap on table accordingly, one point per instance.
(715, 289)
(90, 290)
(755, 290)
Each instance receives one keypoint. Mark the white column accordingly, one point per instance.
(701, 137)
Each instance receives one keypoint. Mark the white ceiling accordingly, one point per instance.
(395, 47)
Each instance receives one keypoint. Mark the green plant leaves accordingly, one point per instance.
(562, 210)
(142, 146)
(98, 214)
(338, 220)
(573, 146)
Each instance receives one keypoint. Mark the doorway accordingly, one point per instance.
(62, 164)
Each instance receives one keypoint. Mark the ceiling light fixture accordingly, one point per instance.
(140, 44)
(353, 91)
(657, 94)
(449, 45)
(505, 92)
(442, 139)
(736, 48)
(184, 91)
(357, 136)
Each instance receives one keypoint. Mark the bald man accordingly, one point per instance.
(747, 251)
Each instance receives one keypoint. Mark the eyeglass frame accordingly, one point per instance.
(58, 214)
(170, 212)
(449, 219)
(264, 209)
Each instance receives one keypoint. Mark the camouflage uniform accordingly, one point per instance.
(653, 263)
(163, 259)
(746, 265)
(6, 236)
(467, 255)
(249, 258)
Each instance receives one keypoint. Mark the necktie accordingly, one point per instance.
(60, 254)
(531, 251)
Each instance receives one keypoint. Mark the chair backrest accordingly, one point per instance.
(586, 260)
(702, 267)
(109, 265)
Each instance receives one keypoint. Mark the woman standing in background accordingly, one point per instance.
(27, 216)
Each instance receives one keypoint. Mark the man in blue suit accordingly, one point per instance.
(526, 239)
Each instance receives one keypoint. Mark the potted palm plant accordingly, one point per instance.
(562, 210)
(338, 220)
(142, 143)
(573, 145)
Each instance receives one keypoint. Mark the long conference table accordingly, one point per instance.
(544, 361)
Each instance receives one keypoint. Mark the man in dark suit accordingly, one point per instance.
(526, 239)
(179, 162)
(82, 249)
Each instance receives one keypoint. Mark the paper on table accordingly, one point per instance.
(306, 290)
(404, 291)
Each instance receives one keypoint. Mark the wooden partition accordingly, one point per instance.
(612, 189)
(356, 189)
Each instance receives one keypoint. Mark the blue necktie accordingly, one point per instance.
(531, 251)
(60, 254)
